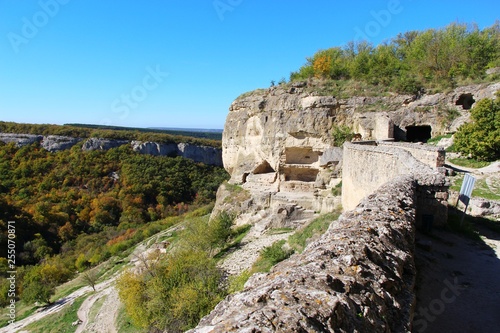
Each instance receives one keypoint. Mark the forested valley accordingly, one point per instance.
(74, 209)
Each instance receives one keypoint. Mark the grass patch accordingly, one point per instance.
(481, 188)
(435, 140)
(68, 288)
(96, 307)
(253, 92)
(279, 231)
(270, 256)
(237, 193)
(469, 162)
(59, 322)
(237, 282)
(237, 235)
(337, 189)
(318, 226)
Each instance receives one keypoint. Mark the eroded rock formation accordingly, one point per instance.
(278, 142)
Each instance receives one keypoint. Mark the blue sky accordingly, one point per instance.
(180, 63)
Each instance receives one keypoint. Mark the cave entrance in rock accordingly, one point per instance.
(263, 167)
(466, 101)
(418, 133)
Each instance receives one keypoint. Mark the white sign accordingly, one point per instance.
(467, 187)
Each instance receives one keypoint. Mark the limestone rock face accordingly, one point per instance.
(266, 130)
(155, 148)
(200, 154)
(277, 144)
(20, 139)
(203, 154)
(102, 144)
(51, 143)
(54, 143)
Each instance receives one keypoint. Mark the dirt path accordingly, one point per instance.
(104, 321)
(458, 288)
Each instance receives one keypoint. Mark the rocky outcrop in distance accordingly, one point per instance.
(203, 154)
(53, 143)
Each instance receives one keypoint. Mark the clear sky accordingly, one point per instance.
(180, 63)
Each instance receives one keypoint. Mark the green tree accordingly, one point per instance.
(37, 287)
(481, 138)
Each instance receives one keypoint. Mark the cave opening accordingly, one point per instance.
(263, 167)
(418, 133)
(466, 101)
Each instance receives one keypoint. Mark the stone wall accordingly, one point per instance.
(358, 277)
(431, 155)
(365, 168)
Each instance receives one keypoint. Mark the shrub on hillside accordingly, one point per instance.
(480, 138)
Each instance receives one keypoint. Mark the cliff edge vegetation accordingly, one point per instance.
(410, 63)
